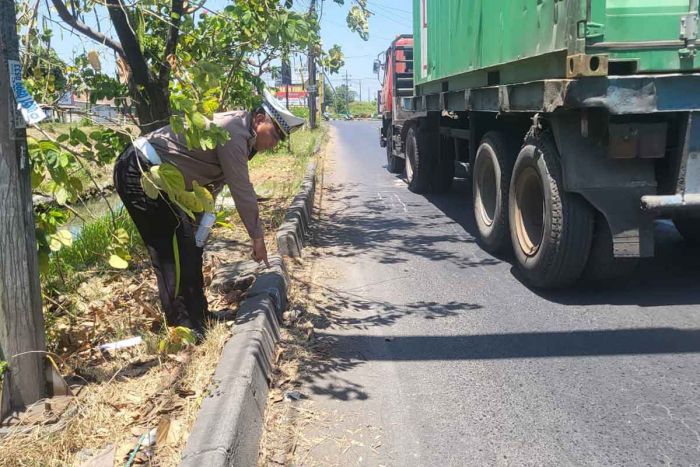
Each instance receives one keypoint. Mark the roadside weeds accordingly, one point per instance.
(125, 394)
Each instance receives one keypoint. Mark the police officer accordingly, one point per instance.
(169, 234)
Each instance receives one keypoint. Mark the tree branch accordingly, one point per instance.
(131, 49)
(85, 29)
(176, 12)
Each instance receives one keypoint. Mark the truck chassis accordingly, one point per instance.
(569, 173)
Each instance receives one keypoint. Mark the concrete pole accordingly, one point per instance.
(313, 91)
(22, 342)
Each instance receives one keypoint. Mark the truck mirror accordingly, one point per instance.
(377, 66)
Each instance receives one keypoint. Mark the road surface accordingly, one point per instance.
(439, 355)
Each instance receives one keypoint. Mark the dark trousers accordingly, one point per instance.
(169, 237)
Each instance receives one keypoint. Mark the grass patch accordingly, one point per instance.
(89, 252)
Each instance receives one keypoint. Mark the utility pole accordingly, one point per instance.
(359, 81)
(22, 342)
(347, 93)
(312, 90)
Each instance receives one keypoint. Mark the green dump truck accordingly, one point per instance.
(578, 122)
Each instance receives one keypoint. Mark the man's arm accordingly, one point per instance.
(233, 157)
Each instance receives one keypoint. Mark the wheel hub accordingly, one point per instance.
(487, 193)
(529, 211)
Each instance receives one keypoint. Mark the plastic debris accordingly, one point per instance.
(123, 344)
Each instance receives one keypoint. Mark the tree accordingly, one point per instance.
(342, 97)
(172, 48)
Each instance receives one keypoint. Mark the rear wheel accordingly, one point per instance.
(551, 230)
(689, 227)
(394, 164)
(493, 166)
(418, 173)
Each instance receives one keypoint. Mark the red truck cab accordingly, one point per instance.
(397, 83)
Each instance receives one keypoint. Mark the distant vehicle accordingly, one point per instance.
(578, 123)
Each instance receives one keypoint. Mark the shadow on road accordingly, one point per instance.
(646, 341)
(360, 226)
(672, 277)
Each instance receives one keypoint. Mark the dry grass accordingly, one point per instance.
(127, 393)
(283, 442)
(133, 392)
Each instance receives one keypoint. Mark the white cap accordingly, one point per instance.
(287, 121)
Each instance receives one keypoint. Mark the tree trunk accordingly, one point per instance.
(152, 104)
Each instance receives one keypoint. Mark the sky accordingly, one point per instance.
(390, 18)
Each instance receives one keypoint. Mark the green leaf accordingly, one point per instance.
(149, 187)
(122, 236)
(43, 261)
(65, 237)
(185, 335)
(79, 135)
(55, 244)
(117, 263)
(37, 178)
(204, 196)
(170, 177)
(61, 195)
(62, 138)
(210, 105)
(48, 146)
(189, 201)
(199, 121)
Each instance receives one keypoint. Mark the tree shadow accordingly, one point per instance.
(527, 345)
(382, 227)
(672, 277)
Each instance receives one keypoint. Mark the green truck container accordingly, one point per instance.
(531, 39)
(577, 120)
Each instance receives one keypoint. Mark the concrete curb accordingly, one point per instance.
(294, 231)
(230, 421)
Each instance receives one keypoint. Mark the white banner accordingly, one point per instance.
(31, 112)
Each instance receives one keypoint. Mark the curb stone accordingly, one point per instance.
(229, 424)
(294, 231)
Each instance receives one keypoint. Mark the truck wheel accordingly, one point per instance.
(602, 264)
(493, 166)
(444, 170)
(688, 227)
(394, 164)
(551, 230)
(417, 162)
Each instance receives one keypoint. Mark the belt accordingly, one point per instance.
(147, 150)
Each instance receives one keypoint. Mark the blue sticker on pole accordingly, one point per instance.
(31, 112)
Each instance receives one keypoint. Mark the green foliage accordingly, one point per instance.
(93, 248)
(55, 164)
(333, 60)
(300, 111)
(178, 338)
(341, 98)
(363, 109)
(3, 369)
(168, 179)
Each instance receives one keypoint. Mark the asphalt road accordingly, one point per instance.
(439, 355)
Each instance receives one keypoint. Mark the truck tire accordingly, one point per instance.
(688, 227)
(551, 230)
(418, 173)
(602, 264)
(444, 170)
(394, 164)
(493, 166)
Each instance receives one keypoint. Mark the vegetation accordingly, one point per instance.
(177, 63)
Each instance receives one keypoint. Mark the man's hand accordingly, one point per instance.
(260, 251)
